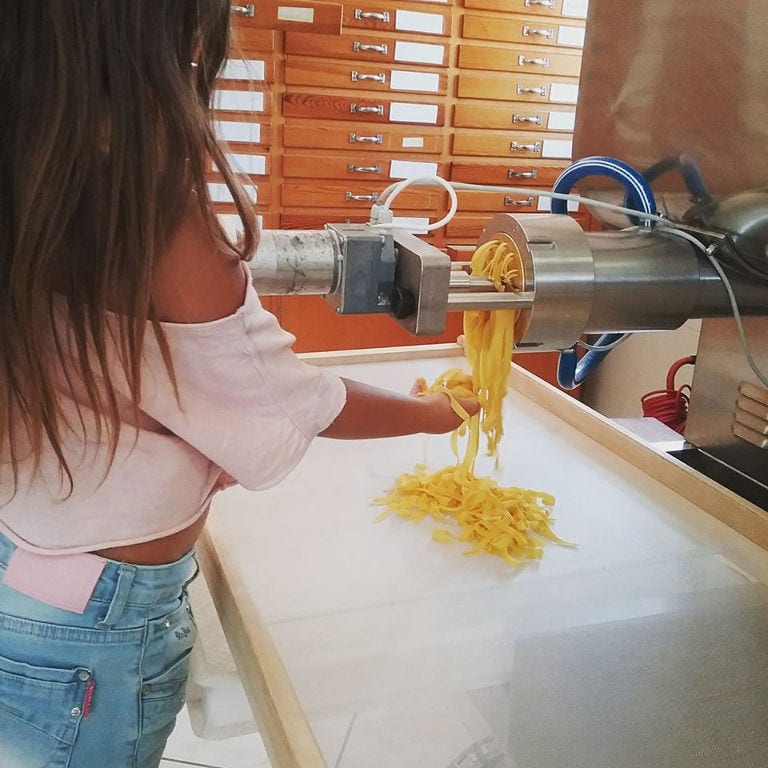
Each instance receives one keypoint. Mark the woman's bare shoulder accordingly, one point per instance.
(197, 279)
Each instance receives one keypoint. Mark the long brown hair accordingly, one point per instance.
(105, 131)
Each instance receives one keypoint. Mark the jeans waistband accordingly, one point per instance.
(149, 584)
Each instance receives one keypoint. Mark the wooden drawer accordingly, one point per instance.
(518, 87)
(365, 77)
(520, 174)
(253, 68)
(317, 106)
(507, 144)
(356, 167)
(519, 59)
(358, 194)
(398, 17)
(529, 30)
(243, 134)
(469, 226)
(497, 201)
(374, 138)
(576, 9)
(239, 99)
(362, 47)
(304, 15)
(317, 219)
(519, 117)
(259, 194)
(249, 39)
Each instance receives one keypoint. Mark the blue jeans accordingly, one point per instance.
(101, 688)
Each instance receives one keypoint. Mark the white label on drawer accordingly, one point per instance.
(564, 92)
(413, 21)
(412, 142)
(545, 204)
(239, 101)
(575, 8)
(571, 36)
(220, 193)
(415, 224)
(231, 224)
(239, 69)
(403, 112)
(302, 15)
(256, 164)
(561, 121)
(557, 148)
(402, 80)
(419, 53)
(407, 169)
(229, 130)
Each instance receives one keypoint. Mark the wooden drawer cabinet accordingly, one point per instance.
(356, 167)
(357, 194)
(508, 144)
(305, 15)
(378, 138)
(243, 135)
(362, 77)
(497, 202)
(518, 174)
(318, 106)
(398, 17)
(519, 117)
(249, 39)
(517, 87)
(519, 59)
(363, 47)
(569, 8)
(528, 30)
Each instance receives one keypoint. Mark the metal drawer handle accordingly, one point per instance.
(243, 10)
(515, 147)
(542, 91)
(354, 138)
(535, 119)
(358, 46)
(543, 3)
(380, 78)
(511, 201)
(372, 198)
(352, 168)
(528, 31)
(356, 109)
(361, 15)
(513, 174)
(542, 62)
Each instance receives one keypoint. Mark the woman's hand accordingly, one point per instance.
(441, 416)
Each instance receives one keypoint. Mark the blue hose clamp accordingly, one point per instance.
(638, 193)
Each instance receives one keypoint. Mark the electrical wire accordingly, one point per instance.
(745, 345)
(604, 347)
(670, 405)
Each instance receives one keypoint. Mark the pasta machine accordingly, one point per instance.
(571, 283)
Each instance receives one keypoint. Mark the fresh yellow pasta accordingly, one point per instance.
(512, 523)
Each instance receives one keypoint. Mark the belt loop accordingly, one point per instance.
(125, 576)
(193, 576)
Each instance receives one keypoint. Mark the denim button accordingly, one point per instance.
(83, 675)
(75, 711)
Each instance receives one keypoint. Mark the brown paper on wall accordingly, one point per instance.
(662, 77)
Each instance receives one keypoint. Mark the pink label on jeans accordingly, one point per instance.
(63, 581)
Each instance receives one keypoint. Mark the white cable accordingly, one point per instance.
(604, 347)
(731, 297)
(393, 190)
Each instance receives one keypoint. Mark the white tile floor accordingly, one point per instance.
(186, 749)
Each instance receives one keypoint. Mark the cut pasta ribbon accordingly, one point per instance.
(512, 523)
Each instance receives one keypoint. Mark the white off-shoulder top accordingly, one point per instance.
(248, 407)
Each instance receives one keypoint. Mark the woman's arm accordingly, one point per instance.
(374, 412)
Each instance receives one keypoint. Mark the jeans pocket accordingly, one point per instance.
(40, 713)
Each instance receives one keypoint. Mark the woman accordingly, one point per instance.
(138, 372)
